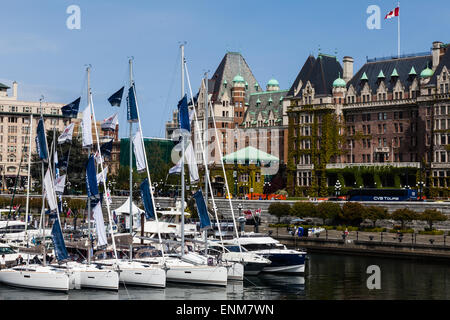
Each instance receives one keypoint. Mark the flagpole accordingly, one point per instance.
(44, 260)
(398, 30)
(28, 183)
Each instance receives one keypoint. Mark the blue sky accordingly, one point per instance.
(275, 37)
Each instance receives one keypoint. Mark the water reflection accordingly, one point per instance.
(327, 277)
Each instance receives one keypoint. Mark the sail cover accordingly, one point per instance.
(58, 242)
(147, 200)
(205, 222)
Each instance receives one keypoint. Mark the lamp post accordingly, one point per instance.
(337, 188)
(420, 186)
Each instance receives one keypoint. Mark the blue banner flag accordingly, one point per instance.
(106, 149)
(91, 178)
(71, 110)
(116, 99)
(147, 200)
(183, 114)
(205, 222)
(132, 115)
(41, 143)
(58, 242)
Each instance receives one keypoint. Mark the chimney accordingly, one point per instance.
(348, 68)
(15, 89)
(436, 52)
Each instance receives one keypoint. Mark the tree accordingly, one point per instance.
(304, 209)
(279, 209)
(431, 216)
(374, 213)
(328, 210)
(352, 213)
(404, 215)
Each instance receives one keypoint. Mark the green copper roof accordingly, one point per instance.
(239, 79)
(394, 73)
(254, 122)
(256, 85)
(281, 98)
(258, 101)
(339, 82)
(273, 82)
(266, 121)
(270, 99)
(364, 77)
(279, 120)
(381, 74)
(413, 71)
(426, 73)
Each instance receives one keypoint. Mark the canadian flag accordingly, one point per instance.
(393, 13)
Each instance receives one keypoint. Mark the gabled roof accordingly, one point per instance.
(302, 75)
(444, 61)
(320, 72)
(402, 66)
(259, 104)
(232, 64)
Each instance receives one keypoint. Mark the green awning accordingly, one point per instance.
(249, 155)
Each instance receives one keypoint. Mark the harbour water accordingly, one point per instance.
(327, 277)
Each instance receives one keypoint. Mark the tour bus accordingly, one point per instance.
(382, 195)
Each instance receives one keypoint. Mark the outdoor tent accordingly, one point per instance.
(250, 155)
(125, 209)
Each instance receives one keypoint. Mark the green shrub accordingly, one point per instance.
(401, 230)
(304, 209)
(373, 229)
(352, 213)
(432, 232)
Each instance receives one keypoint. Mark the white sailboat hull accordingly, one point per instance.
(235, 271)
(185, 272)
(138, 274)
(41, 278)
(89, 276)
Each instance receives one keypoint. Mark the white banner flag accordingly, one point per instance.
(102, 174)
(110, 123)
(139, 151)
(100, 225)
(192, 163)
(87, 128)
(60, 183)
(67, 134)
(49, 191)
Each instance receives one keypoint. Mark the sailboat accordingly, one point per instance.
(86, 275)
(37, 276)
(130, 272)
(182, 266)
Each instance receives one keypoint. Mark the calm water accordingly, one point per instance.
(327, 277)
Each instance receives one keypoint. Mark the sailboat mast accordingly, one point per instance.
(28, 181)
(131, 167)
(88, 70)
(43, 195)
(182, 156)
(206, 155)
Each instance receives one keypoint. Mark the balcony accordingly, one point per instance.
(374, 164)
(305, 167)
(440, 165)
(382, 150)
